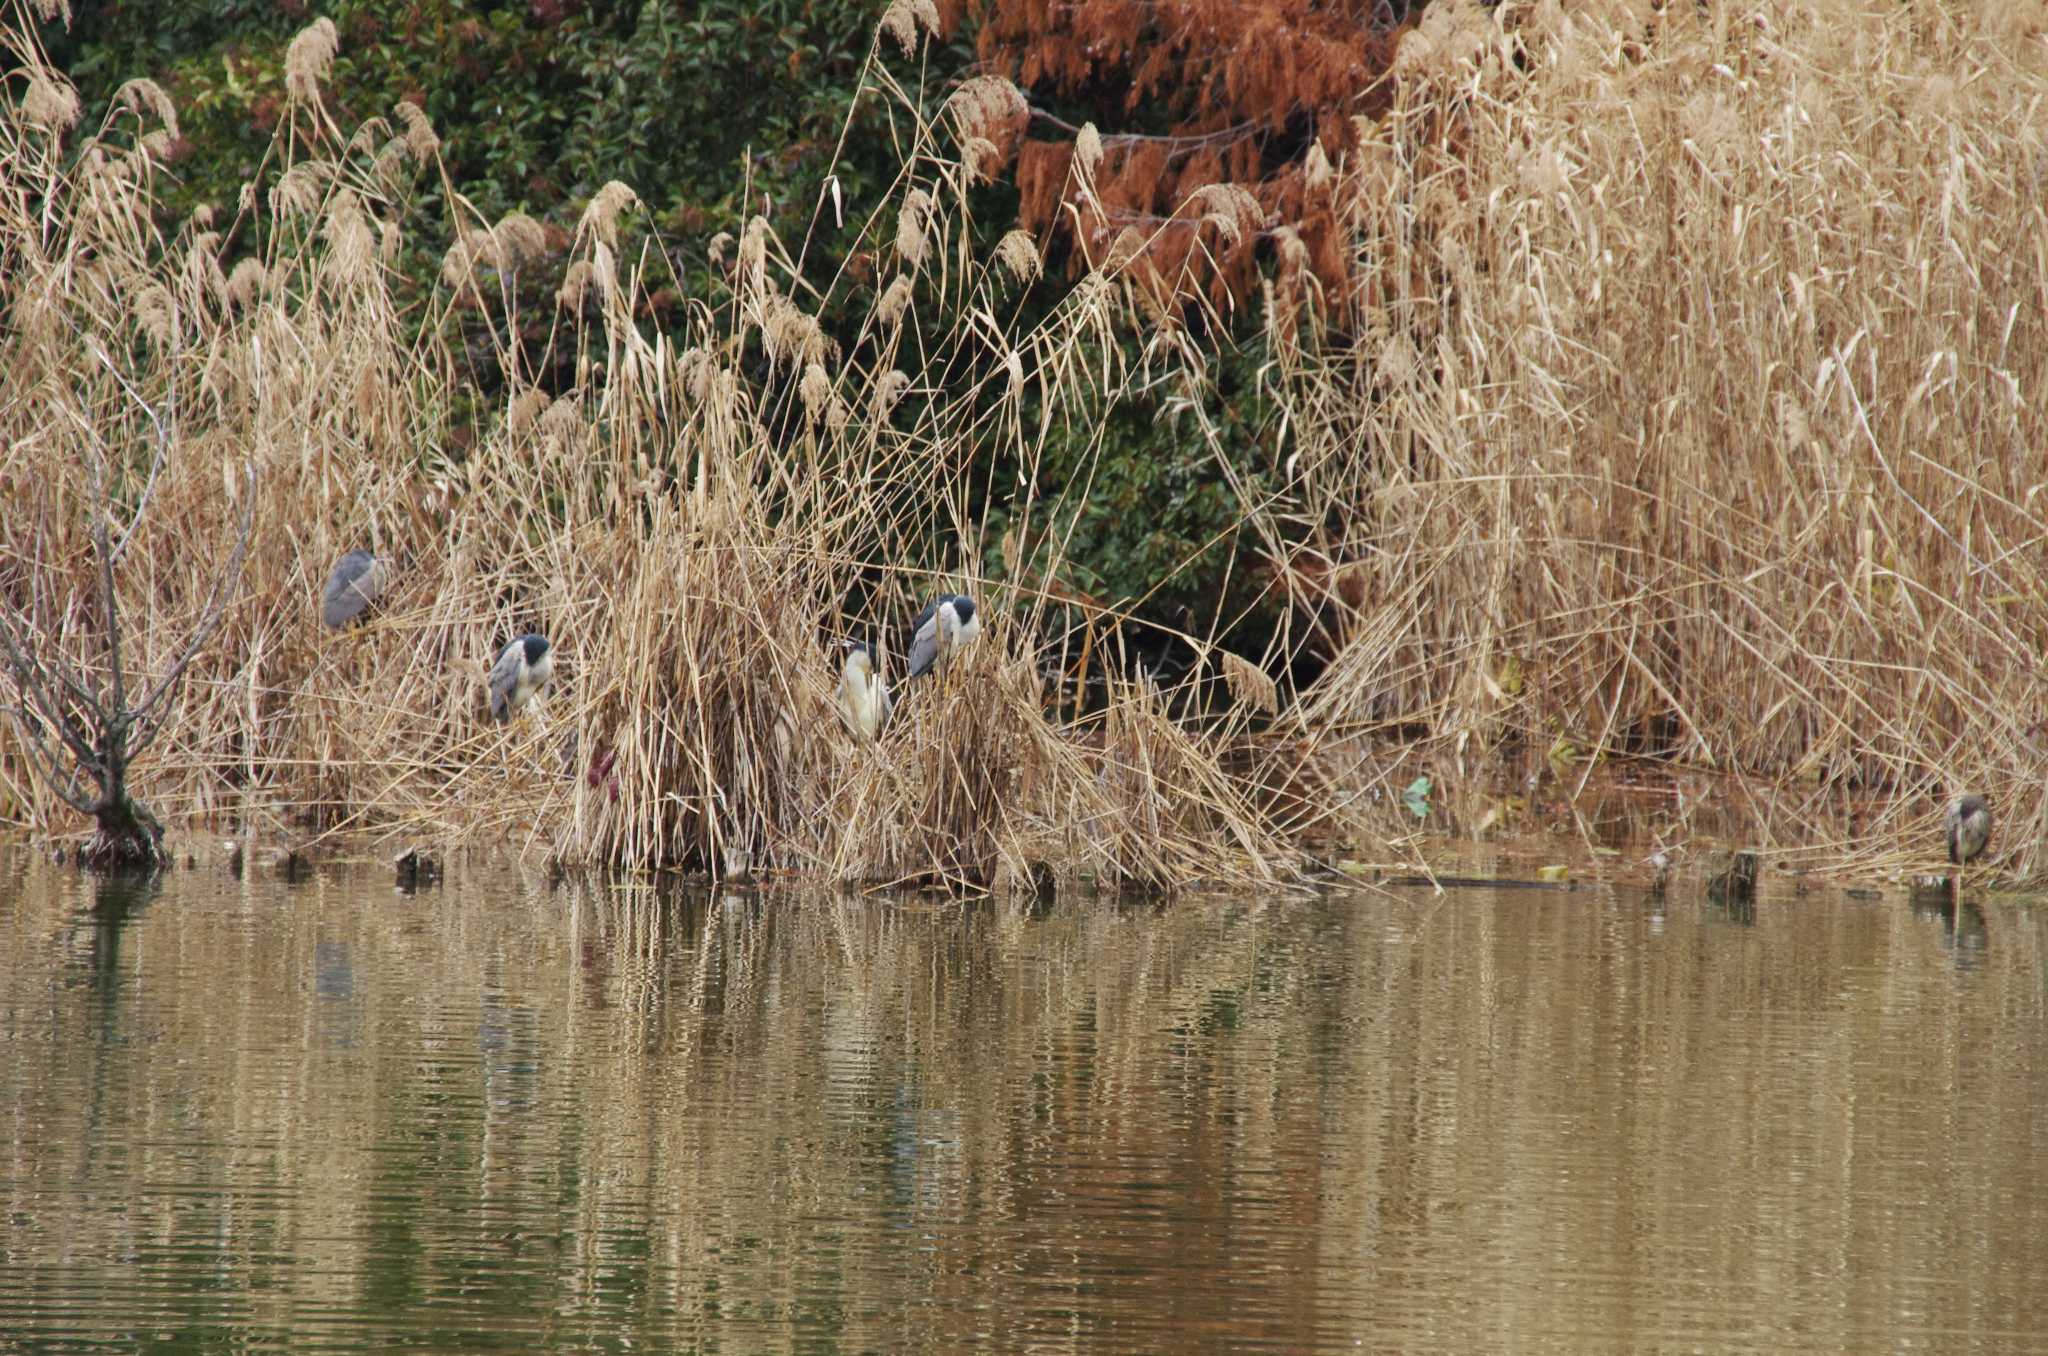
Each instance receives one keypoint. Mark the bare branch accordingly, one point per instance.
(148, 718)
(1175, 145)
(109, 606)
(31, 677)
(55, 674)
(45, 764)
(74, 683)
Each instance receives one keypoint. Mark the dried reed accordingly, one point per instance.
(691, 534)
(1695, 410)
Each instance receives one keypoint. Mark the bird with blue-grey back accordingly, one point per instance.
(948, 622)
(523, 668)
(864, 700)
(355, 582)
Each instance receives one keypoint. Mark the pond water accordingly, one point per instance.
(505, 1115)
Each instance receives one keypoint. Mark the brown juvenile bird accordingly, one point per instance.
(1969, 828)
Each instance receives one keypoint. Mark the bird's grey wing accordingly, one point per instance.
(349, 589)
(924, 647)
(504, 676)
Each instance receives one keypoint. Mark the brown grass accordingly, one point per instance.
(1698, 415)
(693, 536)
(1699, 411)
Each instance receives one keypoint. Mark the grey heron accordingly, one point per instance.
(948, 622)
(352, 585)
(523, 668)
(864, 700)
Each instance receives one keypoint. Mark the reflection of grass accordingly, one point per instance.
(768, 1121)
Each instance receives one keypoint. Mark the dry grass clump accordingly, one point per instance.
(968, 747)
(972, 785)
(710, 709)
(1696, 409)
(693, 515)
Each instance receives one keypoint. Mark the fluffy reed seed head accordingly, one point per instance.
(520, 240)
(1018, 255)
(889, 389)
(903, 18)
(300, 190)
(420, 136)
(146, 96)
(601, 216)
(894, 303)
(51, 103)
(913, 225)
(309, 59)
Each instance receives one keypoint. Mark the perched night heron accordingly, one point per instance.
(523, 668)
(864, 700)
(946, 624)
(1968, 822)
(352, 585)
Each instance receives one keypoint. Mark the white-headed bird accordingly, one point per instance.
(948, 622)
(523, 668)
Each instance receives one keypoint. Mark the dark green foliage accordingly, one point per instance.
(1154, 518)
(538, 103)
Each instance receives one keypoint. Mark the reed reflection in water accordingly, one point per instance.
(507, 1116)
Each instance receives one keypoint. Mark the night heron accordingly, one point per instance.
(1968, 822)
(352, 585)
(864, 700)
(523, 668)
(949, 622)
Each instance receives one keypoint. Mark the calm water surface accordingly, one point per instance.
(504, 1116)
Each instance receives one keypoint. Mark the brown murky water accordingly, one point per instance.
(503, 1116)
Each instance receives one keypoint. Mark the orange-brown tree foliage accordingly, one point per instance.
(1217, 125)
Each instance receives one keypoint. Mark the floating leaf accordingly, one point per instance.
(1553, 873)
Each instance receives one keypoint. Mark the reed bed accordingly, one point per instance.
(695, 522)
(1691, 410)
(1695, 410)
